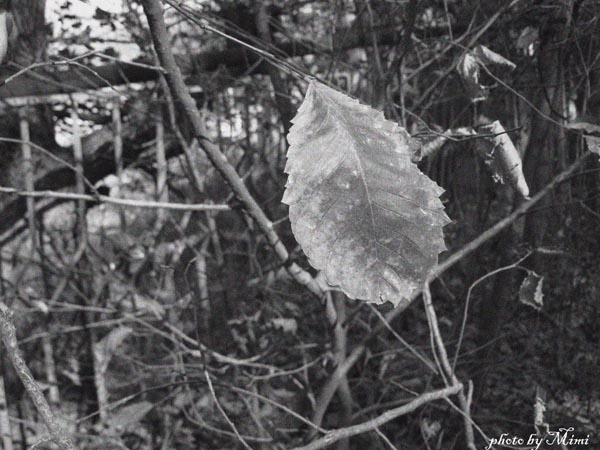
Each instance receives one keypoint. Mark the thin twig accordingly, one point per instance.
(222, 411)
(116, 201)
(440, 348)
(154, 12)
(414, 351)
(9, 338)
(330, 386)
(370, 425)
(385, 439)
(468, 301)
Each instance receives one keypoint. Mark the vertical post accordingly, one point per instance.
(28, 170)
(5, 430)
(29, 176)
(89, 316)
(203, 306)
(117, 125)
(162, 192)
(79, 181)
(118, 136)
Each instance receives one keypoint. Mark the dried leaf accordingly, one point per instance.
(106, 347)
(531, 291)
(285, 325)
(143, 303)
(430, 147)
(430, 429)
(469, 67)
(527, 40)
(363, 213)
(42, 306)
(129, 415)
(586, 127)
(539, 412)
(486, 56)
(502, 157)
(591, 134)
(593, 144)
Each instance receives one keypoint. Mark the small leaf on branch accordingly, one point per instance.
(486, 56)
(502, 157)
(591, 134)
(527, 41)
(129, 415)
(363, 213)
(431, 146)
(530, 292)
(469, 68)
(107, 346)
(539, 412)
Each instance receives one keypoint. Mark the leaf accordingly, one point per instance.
(530, 292)
(129, 415)
(539, 412)
(485, 56)
(106, 347)
(430, 429)
(591, 134)
(502, 157)
(593, 143)
(588, 128)
(285, 325)
(430, 147)
(362, 212)
(469, 66)
(527, 40)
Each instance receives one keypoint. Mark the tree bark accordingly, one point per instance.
(546, 141)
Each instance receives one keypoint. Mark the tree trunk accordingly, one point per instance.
(546, 146)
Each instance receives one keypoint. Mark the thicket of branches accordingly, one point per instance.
(153, 295)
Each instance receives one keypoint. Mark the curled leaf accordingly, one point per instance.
(502, 157)
(469, 67)
(527, 40)
(107, 346)
(485, 56)
(591, 134)
(287, 325)
(429, 147)
(530, 292)
(362, 212)
(129, 415)
(539, 412)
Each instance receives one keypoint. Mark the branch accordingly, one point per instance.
(439, 349)
(43, 81)
(332, 383)
(98, 163)
(116, 201)
(508, 220)
(160, 37)
(40, 80)
(9, 337)
(370, 425)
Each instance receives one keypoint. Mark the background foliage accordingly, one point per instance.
(138, 321)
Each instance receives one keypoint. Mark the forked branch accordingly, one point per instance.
(160, 37)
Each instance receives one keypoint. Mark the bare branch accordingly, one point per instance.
(116, 201)
(160, 37)
(9, 337)
(370, 425)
